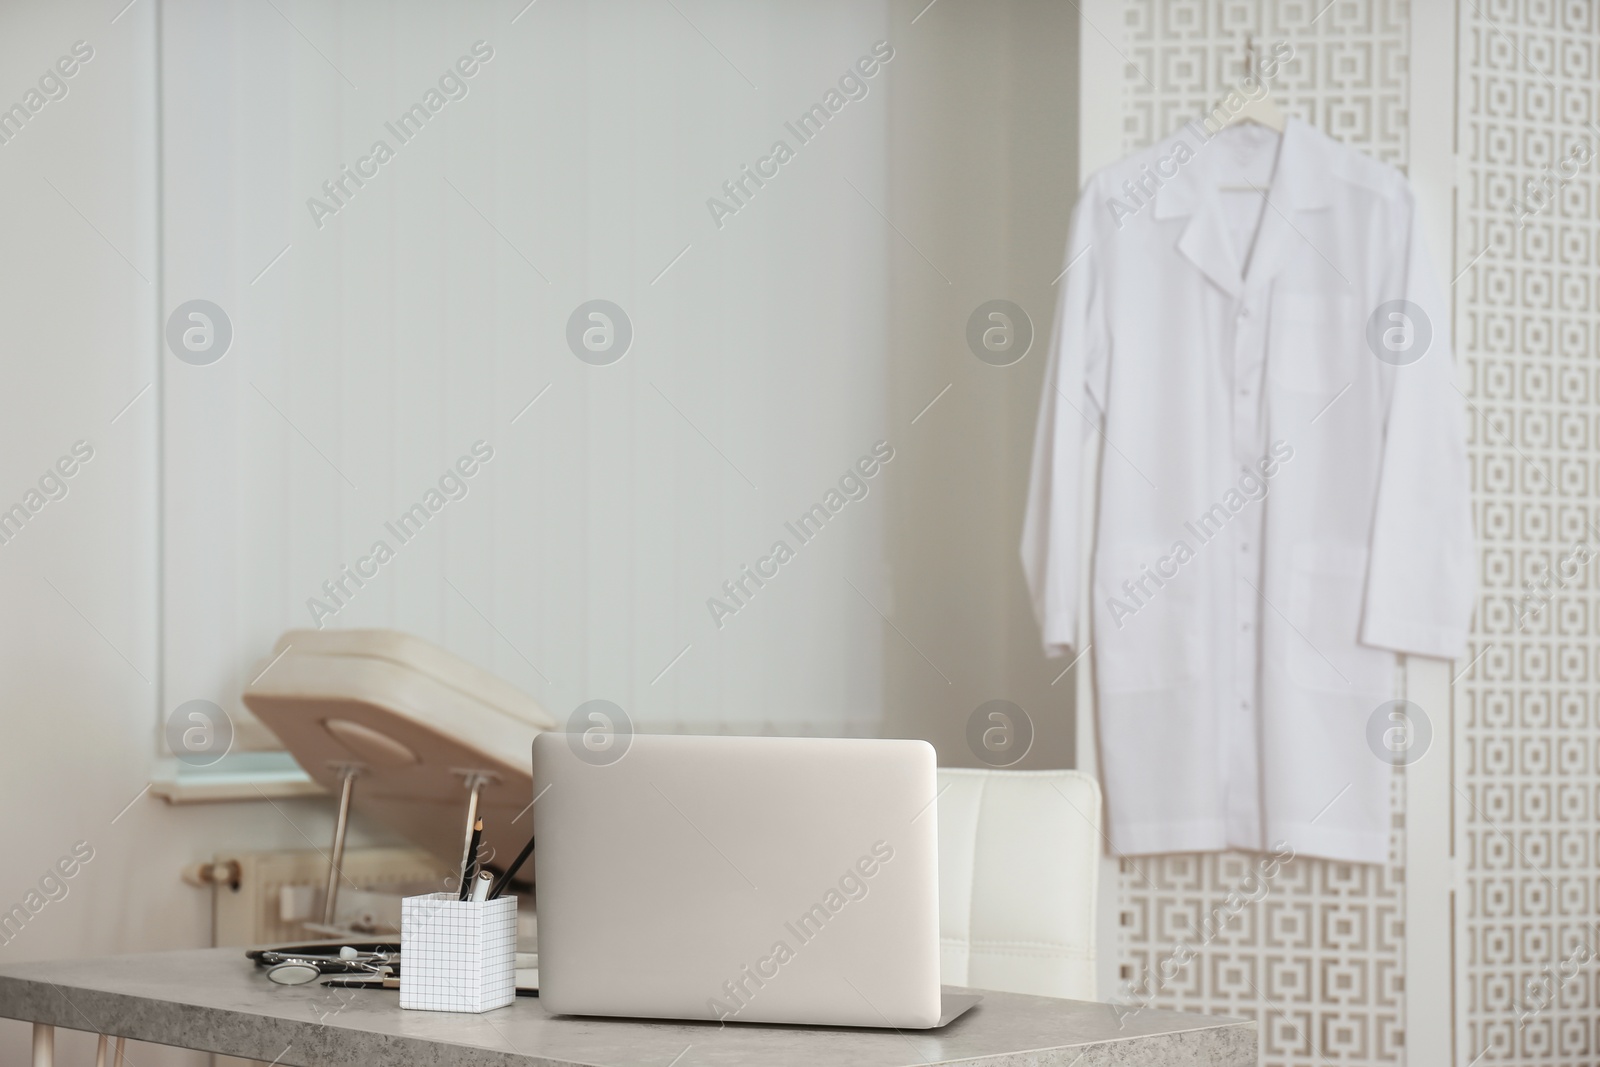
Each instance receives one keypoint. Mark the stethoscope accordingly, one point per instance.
(291, 968)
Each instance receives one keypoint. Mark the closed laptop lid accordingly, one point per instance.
(747, 879)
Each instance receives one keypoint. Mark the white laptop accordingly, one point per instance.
(740, 879)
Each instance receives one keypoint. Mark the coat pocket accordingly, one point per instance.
(1148, 636)
(1313, 342)
(1326, 590)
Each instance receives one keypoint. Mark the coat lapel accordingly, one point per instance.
(1205, 244)
(1203, 241)
(1297, 186)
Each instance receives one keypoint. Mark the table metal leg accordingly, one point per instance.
(100, 1052)
(44, 1045)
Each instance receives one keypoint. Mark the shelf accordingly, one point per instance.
(244, 776)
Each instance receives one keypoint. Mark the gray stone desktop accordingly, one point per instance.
(215, 1000)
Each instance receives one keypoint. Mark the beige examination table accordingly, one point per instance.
(409, 734)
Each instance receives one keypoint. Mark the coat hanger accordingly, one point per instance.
(1262, 111)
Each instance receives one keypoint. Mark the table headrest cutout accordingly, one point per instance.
(371, 746)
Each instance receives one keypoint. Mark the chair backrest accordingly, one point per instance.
(1019, 855)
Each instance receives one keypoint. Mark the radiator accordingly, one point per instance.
(261, 898)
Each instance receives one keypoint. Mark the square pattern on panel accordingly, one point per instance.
(1347, 73)
(1528, 708)
(1318, 961)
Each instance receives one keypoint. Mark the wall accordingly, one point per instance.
(79, 640)
(983, 160)
(373, 346)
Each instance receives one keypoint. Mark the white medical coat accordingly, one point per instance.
(1280, 511)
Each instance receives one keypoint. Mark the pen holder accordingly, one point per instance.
(457, 955)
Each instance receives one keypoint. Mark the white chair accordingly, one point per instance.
(1019, 855)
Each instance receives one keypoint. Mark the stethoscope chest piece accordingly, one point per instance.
(293, 973)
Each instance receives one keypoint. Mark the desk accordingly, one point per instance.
(216, 1001)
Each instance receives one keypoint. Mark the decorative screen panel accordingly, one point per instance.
(1347, 74)
(1319, 962)
(1526, 327)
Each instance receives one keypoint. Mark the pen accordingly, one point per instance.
(469, 867)
(516, 865)
(480, 886)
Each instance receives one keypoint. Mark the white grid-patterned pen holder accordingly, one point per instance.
(458, 955)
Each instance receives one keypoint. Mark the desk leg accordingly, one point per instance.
(44, 1045)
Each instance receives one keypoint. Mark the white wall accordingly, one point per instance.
(432, 308)
(983, 162)
(78, 638)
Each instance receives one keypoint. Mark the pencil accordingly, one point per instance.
(516, 865)
(470, 870)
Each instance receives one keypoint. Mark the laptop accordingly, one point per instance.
(740, 880)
